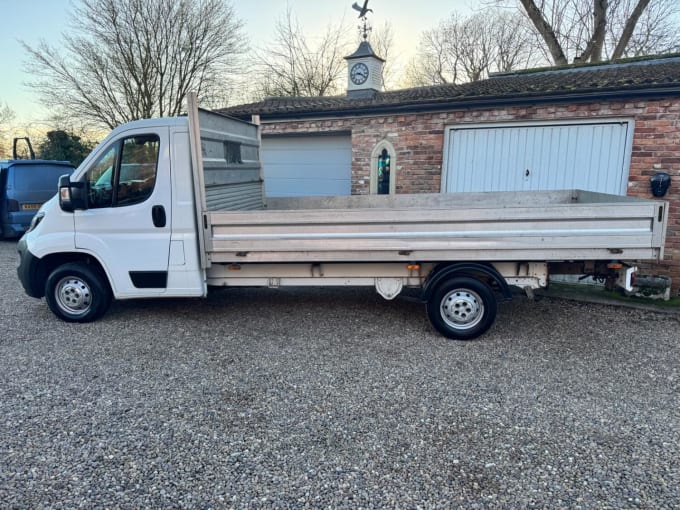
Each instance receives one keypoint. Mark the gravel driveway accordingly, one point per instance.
(335, 398)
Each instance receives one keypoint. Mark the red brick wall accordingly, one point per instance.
(419, 143)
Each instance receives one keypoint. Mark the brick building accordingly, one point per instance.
(608, 127)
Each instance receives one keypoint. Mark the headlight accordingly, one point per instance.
(36, 220)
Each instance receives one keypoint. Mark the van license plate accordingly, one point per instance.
(30, 207)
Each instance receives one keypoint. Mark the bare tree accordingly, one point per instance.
(515, 47)
(464, 49)
(131, 59)
(435, 62)
(6, 117)
(591, 30)
(656, 30)
(295, 65)
(472, 41)
(6, 114)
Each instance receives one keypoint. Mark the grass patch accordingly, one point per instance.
(600, 293)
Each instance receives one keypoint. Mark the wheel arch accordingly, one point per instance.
(50, 262)
(478, 270)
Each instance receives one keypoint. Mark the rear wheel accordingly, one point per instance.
(462, 308)
(77, 293)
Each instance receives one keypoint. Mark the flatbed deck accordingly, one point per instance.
(497, 226)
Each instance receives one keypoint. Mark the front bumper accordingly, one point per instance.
(30, 271)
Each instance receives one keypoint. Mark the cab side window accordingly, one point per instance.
(125, 174)
(100, 179)
(137, 169)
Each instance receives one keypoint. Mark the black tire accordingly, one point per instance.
(77, 293)
(462, 308)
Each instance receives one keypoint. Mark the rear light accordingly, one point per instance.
(12, 205)
(627, 278)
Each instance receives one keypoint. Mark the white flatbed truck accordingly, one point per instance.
(169, 207)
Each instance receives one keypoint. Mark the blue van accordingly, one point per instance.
(25, 185)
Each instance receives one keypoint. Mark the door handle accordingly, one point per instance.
(158, 216)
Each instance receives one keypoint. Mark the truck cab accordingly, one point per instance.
(128, 222)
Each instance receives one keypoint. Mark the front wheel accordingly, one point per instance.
(462, 308)
(77, 293)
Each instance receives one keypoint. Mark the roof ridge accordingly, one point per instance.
(592, 66)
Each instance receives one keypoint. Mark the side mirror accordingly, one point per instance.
(71, 194)
(65, 198)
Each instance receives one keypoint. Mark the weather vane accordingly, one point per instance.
(363, 10)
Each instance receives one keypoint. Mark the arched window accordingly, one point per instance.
(384, 173)
(383, 169)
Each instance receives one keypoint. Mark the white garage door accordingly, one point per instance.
(307, 166)
(593, 156)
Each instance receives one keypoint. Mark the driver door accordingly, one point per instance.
(127, 221)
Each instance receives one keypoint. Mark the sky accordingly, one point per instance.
(33, 20)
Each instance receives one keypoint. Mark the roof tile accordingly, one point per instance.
(631, 76)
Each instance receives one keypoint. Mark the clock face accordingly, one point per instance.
(358, 73)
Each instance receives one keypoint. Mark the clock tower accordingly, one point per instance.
(364, 72)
